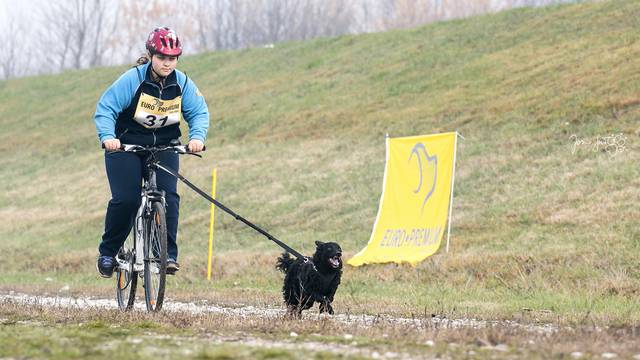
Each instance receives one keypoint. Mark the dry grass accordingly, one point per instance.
(499, 341)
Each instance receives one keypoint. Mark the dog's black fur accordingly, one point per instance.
(308, 281)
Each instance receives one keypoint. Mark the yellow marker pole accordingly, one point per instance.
(213, 208)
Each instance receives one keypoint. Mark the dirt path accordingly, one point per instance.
(268, 312)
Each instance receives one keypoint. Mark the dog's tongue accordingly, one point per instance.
(334, 262)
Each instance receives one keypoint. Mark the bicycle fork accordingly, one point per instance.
(138, 232)
(141, 226)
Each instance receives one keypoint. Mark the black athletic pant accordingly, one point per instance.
(125, 171)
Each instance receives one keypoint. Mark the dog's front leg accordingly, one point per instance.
(325, 306)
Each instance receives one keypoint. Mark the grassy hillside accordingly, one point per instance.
(297, 136)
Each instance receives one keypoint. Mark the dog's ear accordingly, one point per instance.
(319, 243)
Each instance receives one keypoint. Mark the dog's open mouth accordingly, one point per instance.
(335, 261)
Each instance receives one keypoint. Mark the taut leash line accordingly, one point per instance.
(229, 211)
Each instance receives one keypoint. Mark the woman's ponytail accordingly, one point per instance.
(143, 60)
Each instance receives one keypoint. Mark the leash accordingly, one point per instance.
(229, 211)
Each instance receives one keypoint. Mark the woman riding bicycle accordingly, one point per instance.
(144, 107)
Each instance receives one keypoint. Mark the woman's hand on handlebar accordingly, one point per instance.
(195, 145)
(111, 144)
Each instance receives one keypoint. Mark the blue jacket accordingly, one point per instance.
(121, 113)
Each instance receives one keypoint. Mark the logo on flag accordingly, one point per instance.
(421, 153)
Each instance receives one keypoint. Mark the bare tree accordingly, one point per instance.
(272, 21)
(55, 29)
(79, 22)
(203, 14)
(9, 62)
(332, 18)
(18, 57)
(230, 23)
(100, 41)
(140, 17)
(76, 30)
(82, 33)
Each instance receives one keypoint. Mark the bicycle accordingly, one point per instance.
(144, 252)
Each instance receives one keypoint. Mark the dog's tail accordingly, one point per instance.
(284, 262)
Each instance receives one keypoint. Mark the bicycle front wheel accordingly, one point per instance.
(155, 257)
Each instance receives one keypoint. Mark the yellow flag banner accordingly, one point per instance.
(415, 201)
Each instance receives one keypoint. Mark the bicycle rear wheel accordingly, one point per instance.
(155, 257)
(126, 278)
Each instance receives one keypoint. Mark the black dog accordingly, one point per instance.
(311, 280)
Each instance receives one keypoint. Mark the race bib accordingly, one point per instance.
(154, 113)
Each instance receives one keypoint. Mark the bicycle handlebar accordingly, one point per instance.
(179, 149)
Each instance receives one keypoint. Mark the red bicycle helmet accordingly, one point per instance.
(164, 41)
